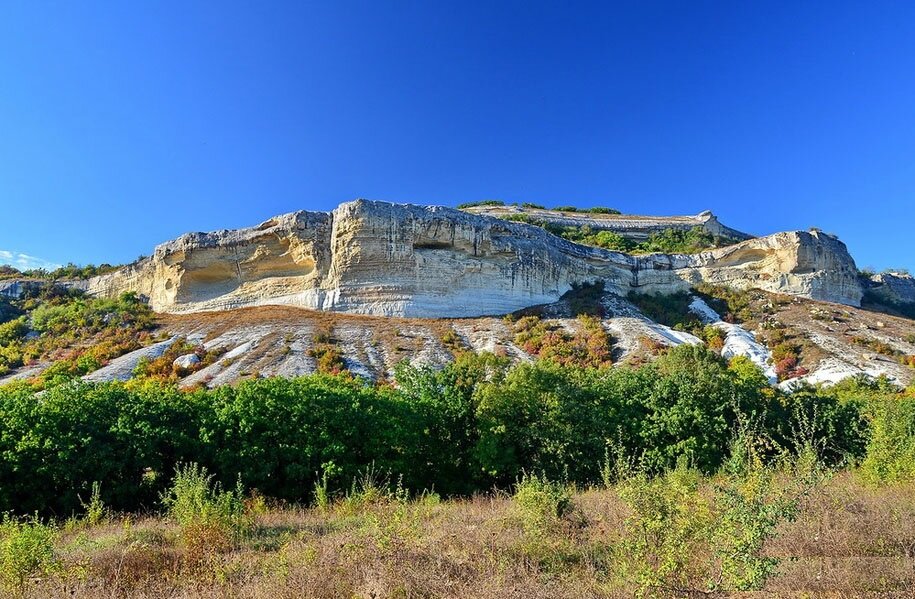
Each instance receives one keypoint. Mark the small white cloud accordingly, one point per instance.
(25, 262)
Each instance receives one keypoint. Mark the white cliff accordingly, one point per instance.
(429, 261)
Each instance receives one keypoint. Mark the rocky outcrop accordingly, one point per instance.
(808, 264)
(429, 261)
(630, 226)
(18, 288)
(894, 288)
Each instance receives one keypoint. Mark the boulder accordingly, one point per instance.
(187, 361)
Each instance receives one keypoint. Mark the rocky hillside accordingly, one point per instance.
(371, 284)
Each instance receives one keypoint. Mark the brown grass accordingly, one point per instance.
(850, 541)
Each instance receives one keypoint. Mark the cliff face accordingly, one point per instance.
(893, 287)
(428, 261)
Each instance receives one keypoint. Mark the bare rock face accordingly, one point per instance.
(894, 287)
(429, 261)
(808, 264)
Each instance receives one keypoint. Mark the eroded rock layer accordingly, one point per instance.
(388, 259)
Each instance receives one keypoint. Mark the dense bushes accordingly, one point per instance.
(890, 453)
(70, 271)
(80, 334)
(667, 241)
(471, 425)
(591, 346)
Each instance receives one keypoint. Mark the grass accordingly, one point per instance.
(848, 539)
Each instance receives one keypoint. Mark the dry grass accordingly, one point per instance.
(850, 541)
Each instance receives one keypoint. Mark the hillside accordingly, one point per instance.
(389, 400)
(307, 292)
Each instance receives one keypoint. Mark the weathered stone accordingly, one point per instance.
(429, 261)
(187, 361)
(896, 288)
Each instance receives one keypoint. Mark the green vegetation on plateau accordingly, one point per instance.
(666, 241)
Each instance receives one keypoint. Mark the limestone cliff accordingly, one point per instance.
(894, 288)
(429, 261)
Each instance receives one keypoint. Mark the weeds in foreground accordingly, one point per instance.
(210, 518)
(26, 549)
(683, 537)
(540, 504)
(374, 486)
(95, 511)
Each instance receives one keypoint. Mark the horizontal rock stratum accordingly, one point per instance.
(386, 259)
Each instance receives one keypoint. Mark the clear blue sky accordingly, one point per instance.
(124, 124)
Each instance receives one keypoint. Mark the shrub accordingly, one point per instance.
(786, 356)
(329, 359)
(875, 345)
(13, 330)
(26, 548)
(713, 337)
(278, 433)
(94, 510)
(481, 203)
(667, 532)
(540, 504)
(668, 309)
(732, 303)
(453, 341)
(551, 342)
(373, 487)
(164, 368)
(52, 450)
(95, 330)
(890, 454)
(682, 539)
(210, 518)
(749, 505)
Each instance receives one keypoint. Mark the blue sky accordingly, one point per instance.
(125, 124)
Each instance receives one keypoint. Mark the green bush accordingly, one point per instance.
(540, 504)
(468, 426)
(445, 401)
(683, 538)
(26, 548)
(278, 433)
(481, 203)
(52, 449)
(211, 519)
(13, 330)
(890, 454)
(666, 533)
(603, 210)
(668, 309)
